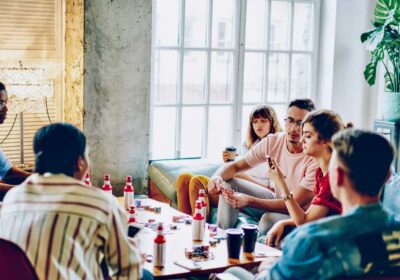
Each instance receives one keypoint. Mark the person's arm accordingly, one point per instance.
(225, 173)
(252, 179)
(15, 176)
(301, 195)
(121, 252)
(301, 256)
(274, 235)
(239, 200)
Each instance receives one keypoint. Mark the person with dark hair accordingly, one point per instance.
(318, 128)
(64, 226)
(364, 239)
(9, 174)
(303, 103)
(298, 168)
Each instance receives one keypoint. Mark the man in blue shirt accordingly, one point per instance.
(9, 175)
(365, 239)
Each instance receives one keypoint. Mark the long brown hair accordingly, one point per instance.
(262, 111)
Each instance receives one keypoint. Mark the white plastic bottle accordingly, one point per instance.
(198, 223)
(129, 193)
(160, 246)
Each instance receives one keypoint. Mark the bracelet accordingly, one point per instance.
(287, 197)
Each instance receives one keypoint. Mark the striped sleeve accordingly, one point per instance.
(122, 257)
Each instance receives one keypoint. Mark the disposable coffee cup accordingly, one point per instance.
(231, 153)
(250, 237)
(234, 239)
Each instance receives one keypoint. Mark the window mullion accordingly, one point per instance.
(207, 101)
(315, 49)
(239, 69)
(288, 90)
(266, 57)
(180, 81)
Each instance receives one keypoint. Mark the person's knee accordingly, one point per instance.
(183, 181)
(266, 223)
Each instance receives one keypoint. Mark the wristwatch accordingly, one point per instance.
(287, 197)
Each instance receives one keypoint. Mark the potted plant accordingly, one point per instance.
(383, 41)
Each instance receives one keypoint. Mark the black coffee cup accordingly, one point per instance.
(250, 237)
(234, 242)
(231, 153)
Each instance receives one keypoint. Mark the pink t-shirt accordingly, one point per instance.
(299, 169)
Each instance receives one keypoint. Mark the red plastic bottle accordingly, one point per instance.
(107, 184)
(198, 223)
(87, 180)
(129, 193)
(160, 244)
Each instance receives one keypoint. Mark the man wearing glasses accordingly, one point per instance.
(9, 175)
(257, 201)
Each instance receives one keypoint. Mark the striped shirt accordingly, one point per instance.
(67, 228)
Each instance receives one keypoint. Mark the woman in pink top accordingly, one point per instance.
(318, 128)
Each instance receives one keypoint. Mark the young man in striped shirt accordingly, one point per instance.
(66, 228)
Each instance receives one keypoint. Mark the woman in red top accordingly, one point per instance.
(318, 128)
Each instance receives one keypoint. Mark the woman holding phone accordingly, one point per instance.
(318, 128)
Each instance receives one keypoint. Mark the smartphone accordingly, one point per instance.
(271, 165)
(133, 229)
(188, 264)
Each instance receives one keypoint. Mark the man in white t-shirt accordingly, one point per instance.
(298, 168)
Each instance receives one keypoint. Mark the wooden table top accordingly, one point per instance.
(178, 240)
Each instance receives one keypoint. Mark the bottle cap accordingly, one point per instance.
(129, 179)
(107, 177)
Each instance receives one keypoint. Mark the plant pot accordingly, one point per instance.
(391, 108)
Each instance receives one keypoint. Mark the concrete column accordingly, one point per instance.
(74, 32)
(117, 88)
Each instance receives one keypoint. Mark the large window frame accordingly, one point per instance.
(238, 50)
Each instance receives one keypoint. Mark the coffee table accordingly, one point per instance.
(178, 240)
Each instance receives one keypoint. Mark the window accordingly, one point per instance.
(213, 61)
(31, 36)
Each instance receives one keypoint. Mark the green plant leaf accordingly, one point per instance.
(370, 72)
(388, 81)
(387, 10)
(373, 38)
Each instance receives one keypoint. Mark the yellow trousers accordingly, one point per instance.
(187, 190)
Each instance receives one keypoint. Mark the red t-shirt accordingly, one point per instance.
(323, 195)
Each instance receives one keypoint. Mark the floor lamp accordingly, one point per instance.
(28, 90)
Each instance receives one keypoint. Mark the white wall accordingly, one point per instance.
(342, 61)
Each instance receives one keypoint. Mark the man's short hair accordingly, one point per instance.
(303, 103)
(57, 148)
(367, 156)
(2, 86)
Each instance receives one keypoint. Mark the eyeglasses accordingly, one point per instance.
(290, 122)
(3, 104)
